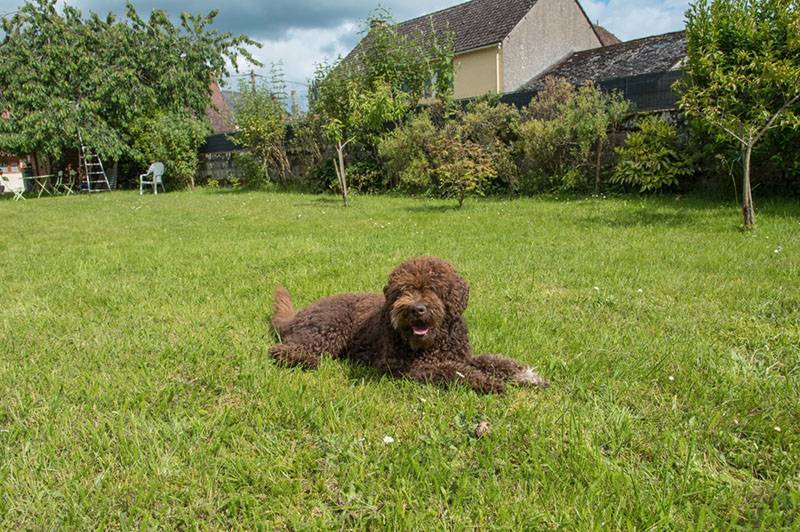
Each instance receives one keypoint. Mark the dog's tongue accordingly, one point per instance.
(420, 331)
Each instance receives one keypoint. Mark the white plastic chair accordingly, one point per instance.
(155, 172)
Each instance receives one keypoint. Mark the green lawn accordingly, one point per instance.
(136, 389)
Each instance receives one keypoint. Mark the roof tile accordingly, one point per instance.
(658, 53)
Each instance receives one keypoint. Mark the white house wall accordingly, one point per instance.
(551, 30)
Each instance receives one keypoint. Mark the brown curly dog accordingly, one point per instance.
(415, 329)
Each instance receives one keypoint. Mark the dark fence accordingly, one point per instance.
(219, 142)
(649, 92)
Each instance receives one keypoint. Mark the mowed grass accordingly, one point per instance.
(136, 390)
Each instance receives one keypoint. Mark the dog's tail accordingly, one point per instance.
(282, 310)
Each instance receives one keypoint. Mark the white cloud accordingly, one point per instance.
(630, 19)
(300, 50)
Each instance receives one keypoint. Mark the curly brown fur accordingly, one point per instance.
(414, 329)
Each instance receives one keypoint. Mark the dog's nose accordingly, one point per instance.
(419, 309)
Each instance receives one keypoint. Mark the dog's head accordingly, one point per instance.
(422, 296)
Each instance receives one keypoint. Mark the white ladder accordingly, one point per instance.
(95, 175)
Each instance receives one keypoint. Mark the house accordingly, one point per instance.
(220, 112)
(12, 167)
(606, 37)
(644, 70)
(500, 45)
(648, 55)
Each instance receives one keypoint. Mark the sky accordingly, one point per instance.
(303, 33)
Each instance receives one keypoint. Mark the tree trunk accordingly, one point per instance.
(747, 204)
(340, 172)
(599, 150)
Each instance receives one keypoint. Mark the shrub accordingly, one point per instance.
(305, 145)
(561, 141)
(652, 157)
(261, 124)
(494, 127)
(173, 139)
(447, 162)
(366, 176)
(461, 167)
(551, 99)
(406, 152)
(249, 171)
(544, 154)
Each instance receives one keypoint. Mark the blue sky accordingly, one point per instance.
(302, 33)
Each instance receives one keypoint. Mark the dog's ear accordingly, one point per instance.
(389, 293)
(459, 295)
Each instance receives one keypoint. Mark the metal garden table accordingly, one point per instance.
(41, 181)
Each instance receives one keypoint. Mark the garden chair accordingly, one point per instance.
(153, 177)
(7, 186)
(64, 185)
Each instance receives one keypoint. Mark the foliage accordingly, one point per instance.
(652, 157)
(361, 116)
(306, 142)
(494, 127)
(743, 72)
(544, 154)
(461, 167)
(418, 65)
(406, 152)
(591, 114)
(456, 160)
(172, 138)
(378, 85)
(367, 176)
(564, 128)
(261, 130)
(62, 73)
(248, 170)
(549, 102)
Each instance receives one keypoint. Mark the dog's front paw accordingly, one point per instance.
(528, 377)
(293, 355)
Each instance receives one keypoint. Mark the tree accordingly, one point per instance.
(388, 73)
(62, 74)
(261, 128)
(172, 138)
(743, 73)
(362, 115)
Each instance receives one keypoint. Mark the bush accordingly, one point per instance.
(173, 139)
(549, 102)
(366, 176)
(544, 150)
(305, 146)
(461, 166)
(494, 127)
(562, 141)
(406, 153)
(261, 124)
(249, 171)
(652, 157)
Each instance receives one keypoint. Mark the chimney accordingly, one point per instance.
(295, 107)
